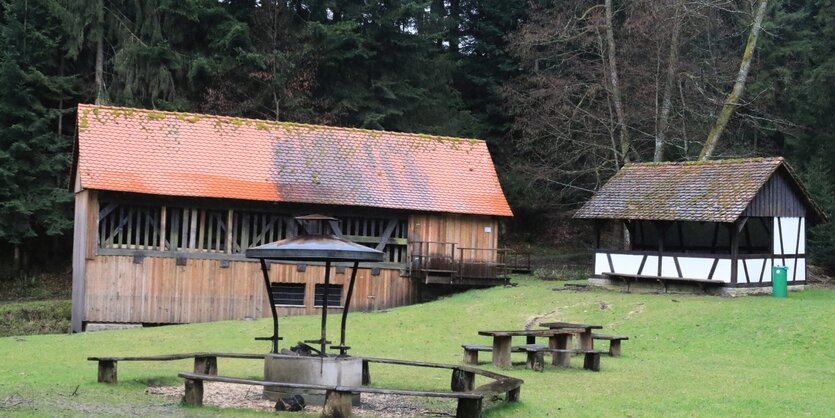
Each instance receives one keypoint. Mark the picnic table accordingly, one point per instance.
(585, 341)
(557, 338)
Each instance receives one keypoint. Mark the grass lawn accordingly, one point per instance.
(687, 355)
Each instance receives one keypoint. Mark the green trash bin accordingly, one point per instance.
(779, 281)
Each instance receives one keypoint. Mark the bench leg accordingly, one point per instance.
(462, 380)
(562, 342)
(592, 362)
(107, 371)
(194, 393)
(337, 404)
(205, 365)
(366, 373)
(468, 408)
(513, 395)
(614, 348)
(501, 351)
(470, 357)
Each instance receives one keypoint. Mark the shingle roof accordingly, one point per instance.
(183, 154)
(712, 191)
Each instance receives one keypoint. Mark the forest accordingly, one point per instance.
(564, 91)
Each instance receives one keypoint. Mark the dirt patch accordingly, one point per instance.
(226, 395)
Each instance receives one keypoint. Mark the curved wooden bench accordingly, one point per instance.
(614, 342)
(338, 398)
(205, 363)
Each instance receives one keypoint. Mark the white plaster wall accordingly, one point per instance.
(723, 271)
(755, 266)
(668, 268)
(627, 263)
(789, 227)
(695, 268)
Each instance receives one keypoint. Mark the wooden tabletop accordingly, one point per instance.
(560, 325)
(527, 333)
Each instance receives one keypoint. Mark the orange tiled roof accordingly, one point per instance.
(183, 154)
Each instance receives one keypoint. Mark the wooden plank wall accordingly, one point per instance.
(464, 230)
(159, 291)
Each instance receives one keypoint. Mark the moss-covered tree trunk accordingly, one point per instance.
(739, 85)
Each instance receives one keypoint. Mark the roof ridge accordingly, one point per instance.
(277, 123)
(708, 162)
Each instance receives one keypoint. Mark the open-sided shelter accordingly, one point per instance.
(722, 223)
(166, 205)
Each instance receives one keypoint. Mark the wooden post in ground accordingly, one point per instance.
(337, 404)
(462, 380)
(501, 351)
(366, 373)
(513, 395)
(194, 393)
(614, 348)
(107, 371)
(591, 361)
(470, 356)
(468, 408)
(205, 365)
(562, 342)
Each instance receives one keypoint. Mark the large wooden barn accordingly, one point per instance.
(167, 203)
(717, 224)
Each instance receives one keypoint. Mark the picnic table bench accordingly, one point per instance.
(338, 399)
(614, 342)
(557, 339)
(584, 338)
(205, 363)
(536, 361)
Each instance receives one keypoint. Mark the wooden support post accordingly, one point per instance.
(366, 373)
(107, 371)
(614, 348)
(194, 393)
(462, 380)
(337, 404)
(513, 395)
(562, 342)
(536, 361)
(205, 365)
(592, 361)
(585, 340)
(501, 351)
(162, 227)
(468, 408)
(470, 356)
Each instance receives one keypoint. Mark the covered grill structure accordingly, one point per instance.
(325, 247)
(713, 223)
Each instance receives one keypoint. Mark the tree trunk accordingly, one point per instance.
(625, 146)
(739, 85)
(16, 259)
(667, 101)
(99, 71)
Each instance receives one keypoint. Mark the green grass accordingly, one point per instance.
(687, 355)
(42, 317)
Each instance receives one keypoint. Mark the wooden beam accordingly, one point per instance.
(387, 234)
(162, 227)
(230, 216)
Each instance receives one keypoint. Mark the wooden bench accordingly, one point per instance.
(471, 351)
(614, 342)
(338, 398)
(663, 280)
(204, 363)
(536, 357)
